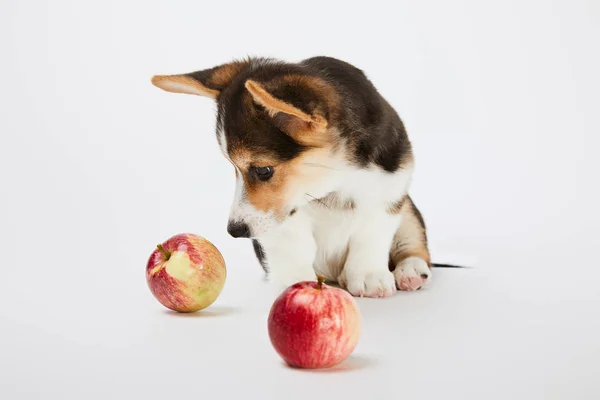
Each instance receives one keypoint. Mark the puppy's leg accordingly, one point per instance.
(289, 252)
(409, 256)
(366, 271)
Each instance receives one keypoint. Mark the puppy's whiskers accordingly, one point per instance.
(314, 199)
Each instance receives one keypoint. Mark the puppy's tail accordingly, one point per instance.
(437, 265)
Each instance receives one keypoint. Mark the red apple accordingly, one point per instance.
(313, 325)
(186, 273)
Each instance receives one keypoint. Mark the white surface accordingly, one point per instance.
(474, 334)
(499, 98)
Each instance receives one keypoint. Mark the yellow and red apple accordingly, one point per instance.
(313, 325)
(186, 273)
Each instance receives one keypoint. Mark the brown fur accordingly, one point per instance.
(322, 89)
(396, 207)
(224, 74)
(274, 105)
(411, 239)
(183, 84)
(307, 129)
(289, 177)
(325, 88)
(208, 83)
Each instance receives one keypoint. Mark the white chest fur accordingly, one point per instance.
(357, 229)
(370, 193)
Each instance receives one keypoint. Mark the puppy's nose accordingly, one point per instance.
(238, 229)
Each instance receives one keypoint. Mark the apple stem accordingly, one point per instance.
(320, 280)
(165, 253)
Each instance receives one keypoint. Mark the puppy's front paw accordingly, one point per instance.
(368, 283)
(412, 274)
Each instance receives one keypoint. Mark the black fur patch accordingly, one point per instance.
(373, 130)
(260, 254)
(373, 127)
(245, 127)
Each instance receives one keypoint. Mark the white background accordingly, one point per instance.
(500, 100)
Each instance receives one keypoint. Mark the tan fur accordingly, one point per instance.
(410, 239)
(224, 74)
(288, 179)
(322, 89)
(275, 106)
(244, 158)
(310, 130)
(396, 207)
(183, 84)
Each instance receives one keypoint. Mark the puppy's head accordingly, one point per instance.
(276, 125)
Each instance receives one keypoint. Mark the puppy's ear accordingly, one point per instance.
(301, 106)
(209, 82)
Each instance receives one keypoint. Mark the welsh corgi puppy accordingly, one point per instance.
(323, 166)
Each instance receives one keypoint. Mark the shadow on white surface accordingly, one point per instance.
(352, 363)
(214, 311)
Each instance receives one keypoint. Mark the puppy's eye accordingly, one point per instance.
(262, 173)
